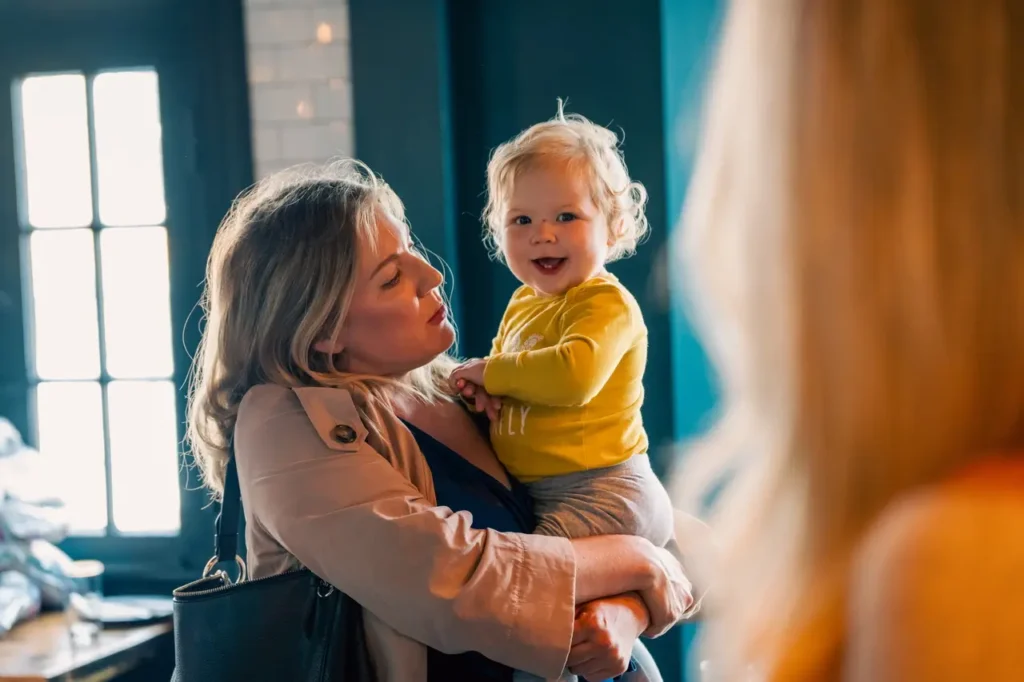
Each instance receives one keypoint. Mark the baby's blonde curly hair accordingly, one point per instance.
(584, 147)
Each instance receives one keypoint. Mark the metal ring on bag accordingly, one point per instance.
(213, 563)
(320, 589)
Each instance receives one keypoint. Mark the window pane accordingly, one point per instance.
(70, 419)
(144, 456)
(65, 330)
(136, 302)
(129, 160)
(55, 135)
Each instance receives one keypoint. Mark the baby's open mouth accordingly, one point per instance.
(549, 265)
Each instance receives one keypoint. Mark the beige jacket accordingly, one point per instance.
(357, 509)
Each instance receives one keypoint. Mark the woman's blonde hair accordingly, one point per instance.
(280, 278)
(855, 238)
(584, 147)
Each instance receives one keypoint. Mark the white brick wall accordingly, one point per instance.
(299, 86)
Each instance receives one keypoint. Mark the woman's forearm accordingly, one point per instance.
(609, 565)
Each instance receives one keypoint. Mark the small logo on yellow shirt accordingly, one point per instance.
(532, 341)
(515, 344)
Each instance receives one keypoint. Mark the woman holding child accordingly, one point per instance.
(324, 361)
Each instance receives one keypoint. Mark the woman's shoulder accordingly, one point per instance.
(953, 550)
(982, 505)
(332, 414)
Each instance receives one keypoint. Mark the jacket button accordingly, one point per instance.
(343, 433)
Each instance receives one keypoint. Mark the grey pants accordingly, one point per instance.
(625, 499)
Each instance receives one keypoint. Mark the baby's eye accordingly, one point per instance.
(566, 217)
(522, 220)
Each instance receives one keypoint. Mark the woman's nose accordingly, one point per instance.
(431, 279)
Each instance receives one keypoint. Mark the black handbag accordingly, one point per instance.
(292, 627)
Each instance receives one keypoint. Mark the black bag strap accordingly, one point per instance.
(225, 543)
(225, 539)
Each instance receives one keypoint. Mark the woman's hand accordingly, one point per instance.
(603, 636)
(669, 594)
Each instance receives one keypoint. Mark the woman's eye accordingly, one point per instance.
(566, 217)
(394, 280)
(522, 220)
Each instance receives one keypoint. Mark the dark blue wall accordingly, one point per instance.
(439, 83)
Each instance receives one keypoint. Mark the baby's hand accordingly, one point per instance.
(480, 400)
(469, 372)
(472, 392)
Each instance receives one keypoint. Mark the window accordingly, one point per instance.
(124, 138)
(93, 219)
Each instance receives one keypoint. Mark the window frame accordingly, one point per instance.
(198, 50)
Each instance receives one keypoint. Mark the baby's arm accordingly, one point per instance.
(468, 378)
(598, 328)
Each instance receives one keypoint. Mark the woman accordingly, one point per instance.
(323, 358)
(856, 237)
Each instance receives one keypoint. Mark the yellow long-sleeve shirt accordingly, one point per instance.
(570, 371)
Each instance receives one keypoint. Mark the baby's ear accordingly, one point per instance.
(615, 230)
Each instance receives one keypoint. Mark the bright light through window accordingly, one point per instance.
(55, 137)
(101, 333)
(129, 159)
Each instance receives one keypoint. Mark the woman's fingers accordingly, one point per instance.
(581, 654)
(594, 662)
(670, 597)
(598, 651)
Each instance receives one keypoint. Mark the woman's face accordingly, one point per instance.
(397, 320)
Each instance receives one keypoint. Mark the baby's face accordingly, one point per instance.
(554, 236)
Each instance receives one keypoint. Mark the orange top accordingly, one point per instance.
(934, 592)
(1000, 471)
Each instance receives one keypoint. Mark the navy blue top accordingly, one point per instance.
(460, 486)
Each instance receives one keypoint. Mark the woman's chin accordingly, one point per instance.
(446, 334)
(439, 339)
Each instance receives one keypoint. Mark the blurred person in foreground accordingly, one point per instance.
(855, 242)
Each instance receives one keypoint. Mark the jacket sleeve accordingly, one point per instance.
(341, 508)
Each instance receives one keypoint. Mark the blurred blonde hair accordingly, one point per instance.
(279, 278)
(854, 236)
(583, 147)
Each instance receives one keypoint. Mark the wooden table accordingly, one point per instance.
(41, 650)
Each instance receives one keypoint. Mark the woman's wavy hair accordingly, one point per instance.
(854, 238)
(280, 278)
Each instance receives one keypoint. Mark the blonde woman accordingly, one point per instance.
(324, 359)
(855, 234)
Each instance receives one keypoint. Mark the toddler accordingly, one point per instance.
(569, 356)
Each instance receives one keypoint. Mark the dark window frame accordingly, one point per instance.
(198, 50)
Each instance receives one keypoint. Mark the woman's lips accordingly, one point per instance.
(438, 317)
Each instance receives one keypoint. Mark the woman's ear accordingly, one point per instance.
(328, 346)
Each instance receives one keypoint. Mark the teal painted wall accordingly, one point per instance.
(439, 83)
(688, 30)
